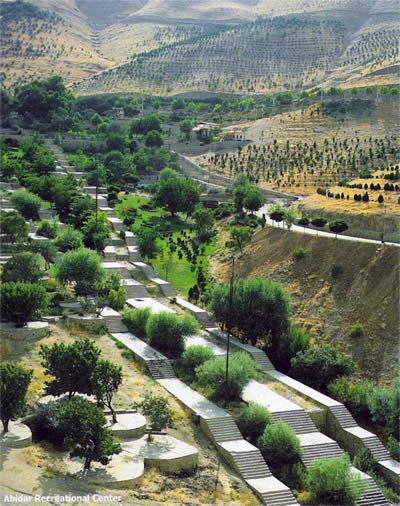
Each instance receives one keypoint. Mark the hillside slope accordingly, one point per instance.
(336, 284)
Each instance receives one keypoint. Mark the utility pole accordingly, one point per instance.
(228, 342)
(97, 206)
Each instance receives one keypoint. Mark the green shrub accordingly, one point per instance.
(252, 421)
(117, 298)
(136, 320)
(353, 393)
(27, 204)
(45, 425)
(212, 374)
(22, 302)
(279, 445)
(380, 406)
(193, 357)
(166, 332)
(47, 229)
(25, 267)
(394, 448)
(68, 239)
(298, 253)
(331, 481)
(364, 460)
(81, 267)
(295, 340)
(356, 330)
(320, 365)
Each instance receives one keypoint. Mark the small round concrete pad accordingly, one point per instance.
(19, 435)
(129, 425)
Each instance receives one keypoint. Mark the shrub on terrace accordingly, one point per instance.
(25, 266)
(22, 302)
(212, 375)
(13, 225)
(68, 239)
(47, 229)
(253, 420)
(279, 445)
(353, 393)
(331, 481)
(27, 204)
(136, 320)
(193, 357)
(166, 332)
(81, 267)
(320, 365)
(14, 383)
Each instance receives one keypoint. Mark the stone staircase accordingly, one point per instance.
(160, 369)
(320, 451)
(250, 464)
(262, 360)
(373, 496)
(300, 421)
(279, 498)
(343, 416)
(223, 429)
(115, 324)
(205, 320)
(377, 449)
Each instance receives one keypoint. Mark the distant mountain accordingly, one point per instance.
(170, 46)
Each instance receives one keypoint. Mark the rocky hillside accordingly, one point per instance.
(335, 285)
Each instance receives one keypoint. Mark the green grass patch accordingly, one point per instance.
(180, 272)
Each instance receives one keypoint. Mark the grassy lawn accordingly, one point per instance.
(180, 272)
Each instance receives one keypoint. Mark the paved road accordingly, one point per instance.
(311, 231)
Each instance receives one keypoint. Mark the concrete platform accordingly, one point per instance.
(257, 392)
(192, 399)
(142, 350)
(122, 472)
(152, 304)
(313, 438)
(129, 425)
(164, 452)
(19, 435)
(32, 330)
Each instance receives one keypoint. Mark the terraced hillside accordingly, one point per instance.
(38, 41)
(253, 57)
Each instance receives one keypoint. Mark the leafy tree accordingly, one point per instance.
(81, 207)
(193, 357)
(186, 127)
(68, 239)
(211, 375)
(146, 124)
(71, 365)
(24, 266)
(318, 222)
(290, 217)
(64, 190)
(280, 445)
(13, 225)
(47, 229)
(320, 365)
(157, 410)
(260, 309)
(112, 292)
(253, 199)
(106, 379)
(81, 267)
(46, 249)
(332, 481)
(204, 223)
(338, 226)
(241, 236)
(166, 332)
(14, 383)
(277, 214)
(147, 242)
(21, 302)
(83, 424)
(26, 203)
(116, 142)
(136, 320)
(176, 194)
(42, 99)
(154, 139)
(252, 421)
(96, 231)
